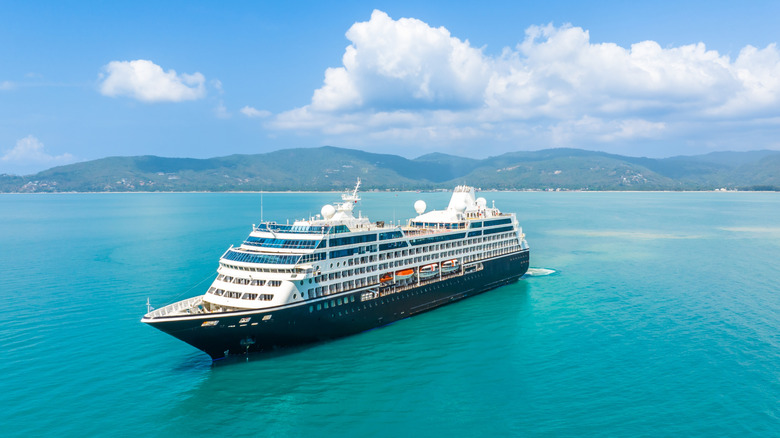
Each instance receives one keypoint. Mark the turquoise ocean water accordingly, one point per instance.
(661, 318)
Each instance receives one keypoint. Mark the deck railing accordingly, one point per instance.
(186, 307)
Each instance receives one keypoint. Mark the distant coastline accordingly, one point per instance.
(329, 169)
(293, 192)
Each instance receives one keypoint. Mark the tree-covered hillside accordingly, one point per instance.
(331, 168)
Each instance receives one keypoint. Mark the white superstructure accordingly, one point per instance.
(337, 252)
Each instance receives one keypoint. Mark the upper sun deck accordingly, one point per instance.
(317, 229)
(464, 211)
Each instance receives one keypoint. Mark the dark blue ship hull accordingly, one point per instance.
(310, 321)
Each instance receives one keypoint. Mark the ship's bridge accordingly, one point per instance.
(339, 216)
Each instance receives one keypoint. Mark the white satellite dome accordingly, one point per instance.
(482, 202)
(328, 211)
(460, 207)
(419, 206)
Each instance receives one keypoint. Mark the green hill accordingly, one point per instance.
(332, 168)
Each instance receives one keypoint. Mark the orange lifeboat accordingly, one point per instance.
(385, 278)
(404, 274)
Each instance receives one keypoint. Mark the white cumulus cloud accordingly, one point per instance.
(400, 64)
(30, 156)
(405, 80)
(254, 112)
(146, 81)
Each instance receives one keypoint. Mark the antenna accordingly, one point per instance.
(261, 206)
(354, 192)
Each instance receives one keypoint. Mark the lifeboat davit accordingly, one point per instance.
(429, 271)
(404, 274)
(449, 265)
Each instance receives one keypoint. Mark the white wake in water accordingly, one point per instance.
(539, 272)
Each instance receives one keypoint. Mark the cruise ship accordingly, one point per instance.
(337, 274)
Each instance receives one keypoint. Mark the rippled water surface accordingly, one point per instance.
(645, 314)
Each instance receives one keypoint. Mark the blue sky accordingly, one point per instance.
(85, 80)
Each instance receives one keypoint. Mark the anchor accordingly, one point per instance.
(248, 342)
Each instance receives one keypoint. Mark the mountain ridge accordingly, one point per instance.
(335, 168)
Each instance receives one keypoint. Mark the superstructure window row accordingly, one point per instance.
(439, 238)
(498, 230)
(240, 295)
(303, 229)
(352, 251)
(284, 243)
(498, 222)
(439, 225)
(308, 258)
(255, 269)
(340, 241)
(393, 245)
(261, 258)
(236, 280)
(391, 235)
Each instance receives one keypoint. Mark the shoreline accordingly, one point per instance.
(390, 191)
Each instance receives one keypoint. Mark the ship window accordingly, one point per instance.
(498, 230)
(392, 245)
(319, 306)
(261, 258)
(352, 240)
(311, 309)
(498, 222)
(390, 235)
(281, 243)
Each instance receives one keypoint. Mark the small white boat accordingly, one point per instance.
(449, 266)
(429, 271)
